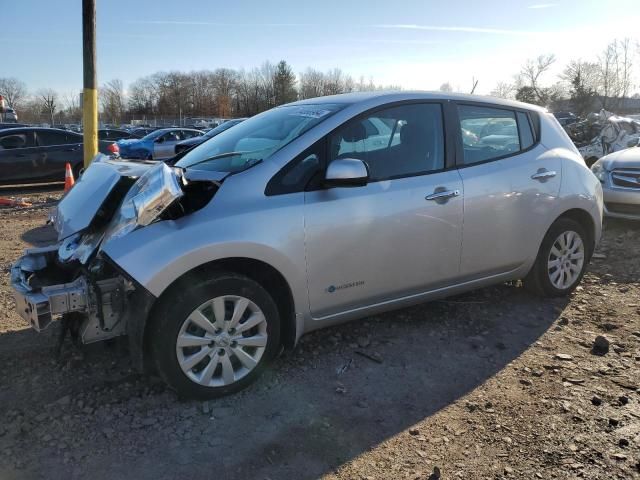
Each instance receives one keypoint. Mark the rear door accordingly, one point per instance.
(18, 157)
(55, 149)
(511, 184)
(400, 234)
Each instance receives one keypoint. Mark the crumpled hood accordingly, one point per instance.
(628, 158)
(80, 205)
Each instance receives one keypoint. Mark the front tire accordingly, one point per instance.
(562, 260)
(216, 337)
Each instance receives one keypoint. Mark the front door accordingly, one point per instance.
(401, 233)
(164, 147)
(18, 157)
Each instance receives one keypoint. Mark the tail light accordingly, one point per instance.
(113, 148)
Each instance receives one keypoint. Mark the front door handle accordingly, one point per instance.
(543, 174)
(443, 195)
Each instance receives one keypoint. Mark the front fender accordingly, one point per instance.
(157, 255)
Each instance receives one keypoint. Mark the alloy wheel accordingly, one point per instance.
(566, 260)
(221, 341)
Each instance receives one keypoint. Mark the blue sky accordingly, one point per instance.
(413, 43)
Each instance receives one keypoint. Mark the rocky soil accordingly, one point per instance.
(489, 385)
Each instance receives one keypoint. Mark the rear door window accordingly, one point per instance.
(525, 130)
(50, 138)
(487, 133)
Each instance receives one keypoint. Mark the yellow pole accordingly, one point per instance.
(90, 91)
(90, 124)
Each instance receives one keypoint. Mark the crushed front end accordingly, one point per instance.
(74, 278)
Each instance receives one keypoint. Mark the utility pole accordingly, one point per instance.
(90, 87)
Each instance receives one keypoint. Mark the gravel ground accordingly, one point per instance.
(492, 384)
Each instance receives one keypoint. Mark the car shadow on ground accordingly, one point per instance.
(343, 391)
(40, 236)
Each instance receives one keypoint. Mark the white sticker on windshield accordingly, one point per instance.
(311, 113)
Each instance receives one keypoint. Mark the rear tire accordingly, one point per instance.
(562, 260)
(216, 337)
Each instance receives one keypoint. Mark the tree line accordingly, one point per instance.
(222, 93)
(582, 86)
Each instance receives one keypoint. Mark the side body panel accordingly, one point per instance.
(379, 242)
(506, 212)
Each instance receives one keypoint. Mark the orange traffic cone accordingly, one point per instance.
(68, 177)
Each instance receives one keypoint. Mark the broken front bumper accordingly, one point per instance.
(40, 300)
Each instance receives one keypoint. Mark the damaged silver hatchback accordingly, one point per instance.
(308, 215)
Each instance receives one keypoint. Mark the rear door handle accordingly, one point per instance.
(443, 195)
(543, 175)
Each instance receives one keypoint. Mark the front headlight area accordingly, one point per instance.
(599, 171)
(154, 192)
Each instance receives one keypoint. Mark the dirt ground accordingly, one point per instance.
(489, 385)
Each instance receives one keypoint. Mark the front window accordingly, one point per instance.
(256, 139)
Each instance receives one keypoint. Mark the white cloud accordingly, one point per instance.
(436, 28)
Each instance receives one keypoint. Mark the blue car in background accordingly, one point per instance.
(158, 145)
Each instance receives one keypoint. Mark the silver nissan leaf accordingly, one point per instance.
(309, 215)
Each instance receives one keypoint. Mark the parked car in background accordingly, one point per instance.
(114, 134)
(157, 145)
(140, 132)
(295, 220)
(10, 115)
(33, 155)
(192, 142)
(619, 173)
(565, 118)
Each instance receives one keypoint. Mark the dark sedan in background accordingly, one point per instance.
(192, 142)
(33, 155)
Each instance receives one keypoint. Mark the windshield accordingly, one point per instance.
(153, 135)
(257, 138)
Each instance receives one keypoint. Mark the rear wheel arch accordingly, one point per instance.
(261, 272)
(585, 219)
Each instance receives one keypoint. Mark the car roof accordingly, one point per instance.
(386, 96)
(33, 129)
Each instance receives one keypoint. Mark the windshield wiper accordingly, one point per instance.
(217, 157)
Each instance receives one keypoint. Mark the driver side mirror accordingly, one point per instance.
(346, 172)
(159, 139)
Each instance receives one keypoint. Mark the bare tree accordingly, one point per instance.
(112, 100)
(616, 65)
(311, 83)
(71, 106)
(582, 79)
(14, 91)
(446, 87)
(503, 90)
(48, 99)
(529, 78)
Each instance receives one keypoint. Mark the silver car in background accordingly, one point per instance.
(619, 173)
(309, 215)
